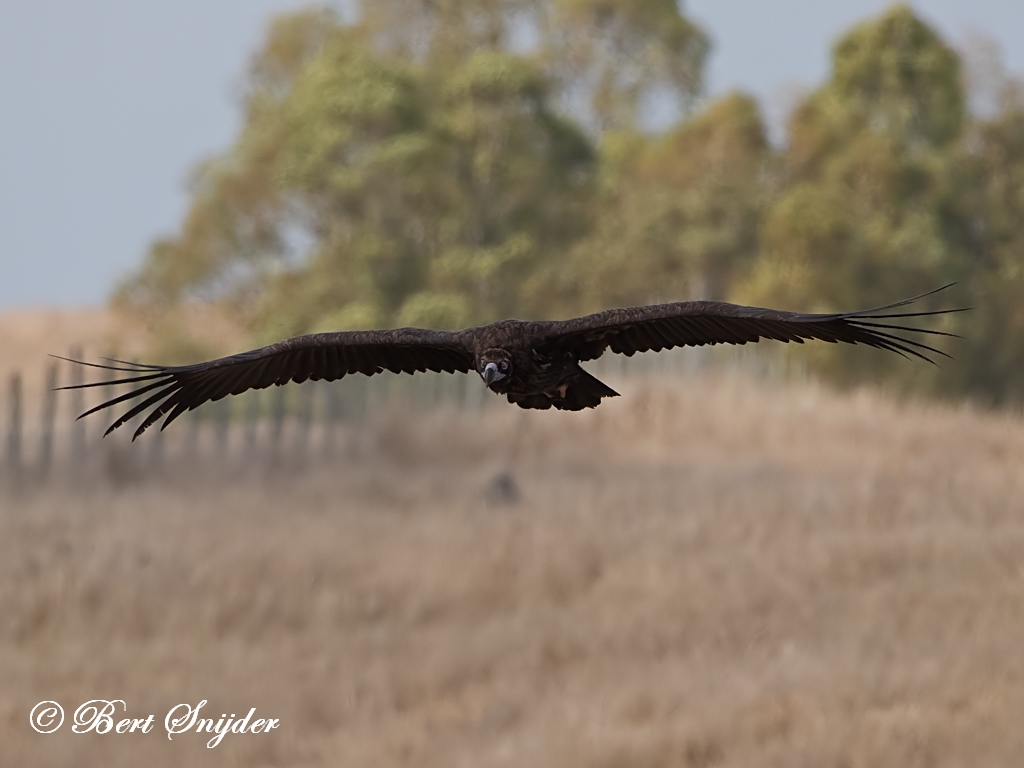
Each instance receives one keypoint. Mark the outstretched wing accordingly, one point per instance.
(696, 323)
(171, 390)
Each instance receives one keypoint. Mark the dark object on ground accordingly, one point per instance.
(503, 490)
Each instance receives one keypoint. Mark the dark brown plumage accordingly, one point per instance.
(534, 364)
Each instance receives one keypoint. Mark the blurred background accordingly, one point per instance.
(756, 556)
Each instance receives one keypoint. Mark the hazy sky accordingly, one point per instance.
(106, 105)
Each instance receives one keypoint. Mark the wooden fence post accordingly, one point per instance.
(108, 390)
(306, 394)
(14, 428)
(156, 450)
(332, 415)
(191, 443)
(277, 415)
(358, 397)
(461, 383)
(222, 421)
(49, 417)
(252, 415)
(77, 407)
(135, 421)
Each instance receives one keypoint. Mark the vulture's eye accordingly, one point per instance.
(503, 365)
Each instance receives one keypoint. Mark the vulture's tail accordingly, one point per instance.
(583, 391)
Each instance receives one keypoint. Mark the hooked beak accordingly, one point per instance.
(491, 374)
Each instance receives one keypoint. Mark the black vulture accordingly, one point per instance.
(535, 364)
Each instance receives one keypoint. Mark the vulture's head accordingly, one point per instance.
(495, 368)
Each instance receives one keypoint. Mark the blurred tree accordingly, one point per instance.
(449, 162)
(867, 215)
(614, 57)
(411, 168)
(606, 58)
(990, 186)
(679, 214)
(428, 203)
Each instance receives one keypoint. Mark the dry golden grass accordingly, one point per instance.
(704, 572)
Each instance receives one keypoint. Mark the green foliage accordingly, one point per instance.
(990, 175)
(614, 53)
(424, 190)
(866, 216)
(679, 213)
(448, 162)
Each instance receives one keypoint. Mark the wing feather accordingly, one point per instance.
(696, 323)
(320, 357)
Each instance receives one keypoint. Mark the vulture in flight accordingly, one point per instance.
(534, 364)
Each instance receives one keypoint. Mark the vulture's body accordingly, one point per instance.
(533, 364)
(540, 372)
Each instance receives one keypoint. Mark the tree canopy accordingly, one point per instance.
(865, 213)
(450, 162)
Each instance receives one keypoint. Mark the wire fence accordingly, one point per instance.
(287, 429)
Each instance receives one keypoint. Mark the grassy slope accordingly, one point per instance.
(702, 573)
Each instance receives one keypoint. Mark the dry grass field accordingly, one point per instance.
(704, 572)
